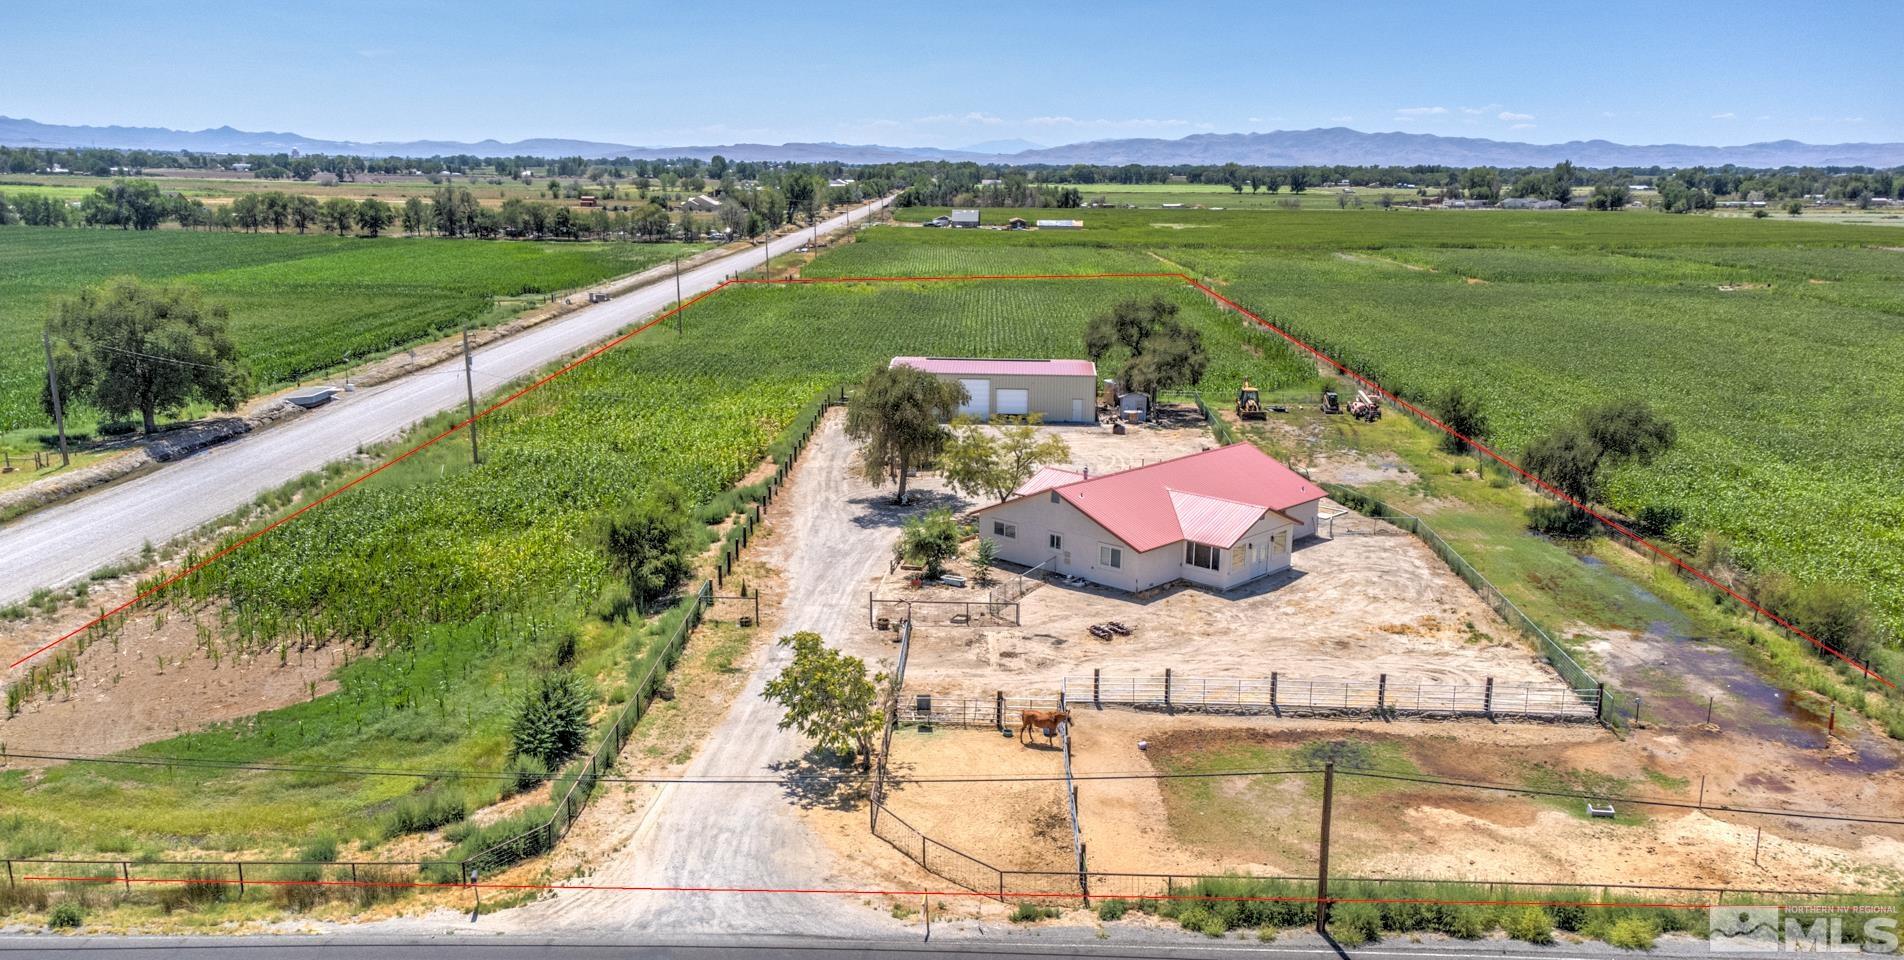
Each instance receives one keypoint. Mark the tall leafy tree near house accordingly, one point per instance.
(1158, 351)
(128, 347)
(896, 416)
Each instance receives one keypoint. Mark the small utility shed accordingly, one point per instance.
(1220, 518)
(965, 218)
(1059, 390)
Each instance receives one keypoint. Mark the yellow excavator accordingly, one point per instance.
(1248, 406)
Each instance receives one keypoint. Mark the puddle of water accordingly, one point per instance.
(1747, 703)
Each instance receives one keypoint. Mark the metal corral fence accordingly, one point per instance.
(962, 613)
(1382, 696)
(996, 711)
(1611, 708)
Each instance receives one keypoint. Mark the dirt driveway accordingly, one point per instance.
(834, 537)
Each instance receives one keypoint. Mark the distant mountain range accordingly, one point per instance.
(1331, 145)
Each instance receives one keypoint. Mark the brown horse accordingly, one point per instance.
(1045, 720)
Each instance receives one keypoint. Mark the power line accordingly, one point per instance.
(854, 776)
(147, 356)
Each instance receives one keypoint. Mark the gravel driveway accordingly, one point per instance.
(833, 537)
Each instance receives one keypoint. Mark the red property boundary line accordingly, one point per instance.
(884, 892)
(1293, 340)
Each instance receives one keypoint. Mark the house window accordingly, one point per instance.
(1281, 539)
(1109, 556)
(1054, 496)
(1002, 529)
(1202, 555)
(1055, 542)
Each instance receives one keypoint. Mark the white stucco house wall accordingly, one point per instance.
(1221, 518)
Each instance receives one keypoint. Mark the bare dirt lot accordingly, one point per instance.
(155, 676)
(1366, 601)
(1269, 824)
(1391, 828)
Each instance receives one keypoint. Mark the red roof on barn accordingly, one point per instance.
(973, 366)
(1212, 497)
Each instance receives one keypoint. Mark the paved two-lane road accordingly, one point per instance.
(62, 543)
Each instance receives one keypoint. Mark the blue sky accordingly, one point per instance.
(946, 74)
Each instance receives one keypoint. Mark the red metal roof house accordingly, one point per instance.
(1220, 518)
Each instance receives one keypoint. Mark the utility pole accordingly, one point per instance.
(677, 294)
(52, 385)
(767, 244)
(469, 386)
(1322, 865)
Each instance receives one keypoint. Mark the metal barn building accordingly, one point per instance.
(1062, 391)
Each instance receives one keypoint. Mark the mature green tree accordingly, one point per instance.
(126, 204)
(416, 216)
(551, 720)
(128, 346)
(1461, 411)
(1572, 457)
(277, 210)
(1159, 352)
(247, 212)
(374, 215)
(930, 540)
(994, 462)
(650, 543)
(338, 215)
(829, 697)
(304, 212)
(896, 415)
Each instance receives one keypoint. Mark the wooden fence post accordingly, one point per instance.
(125, 870)
(1273, 677)
(1166, 687)
(1095, 701)
(1487, 699)
(998, 711)
(1381, 694)
(241, 880)
(1599, 703)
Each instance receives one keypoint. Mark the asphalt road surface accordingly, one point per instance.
(1003, 945)
(64, 542)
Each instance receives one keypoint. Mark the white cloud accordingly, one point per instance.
(1518, 117)
(1421, 111)
(1728, 115)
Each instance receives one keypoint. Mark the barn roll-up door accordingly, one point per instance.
(1015, 403)
(979, 393)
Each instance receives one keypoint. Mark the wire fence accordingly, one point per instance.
(1612, 709)
(1382, 696)
(544, 836)
(998, 711)
(960, 613)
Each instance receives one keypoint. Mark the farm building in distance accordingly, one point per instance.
(965, 218)
(702, 204)
(1061, 391)
(1221, 518)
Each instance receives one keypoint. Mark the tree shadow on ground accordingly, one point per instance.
(879, 510)
(819, 779)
